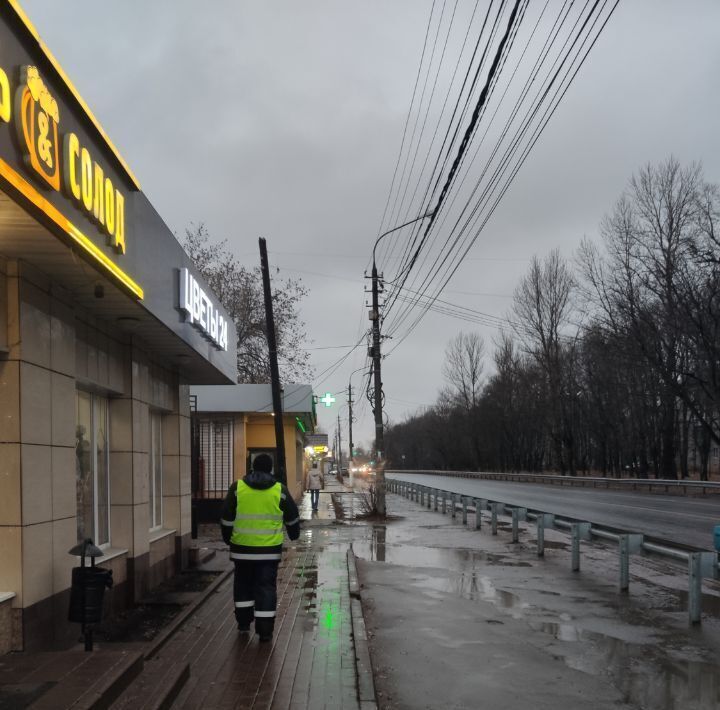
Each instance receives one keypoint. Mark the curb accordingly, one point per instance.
(363, 666)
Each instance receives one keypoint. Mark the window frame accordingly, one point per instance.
(94, 420)
(153, 458)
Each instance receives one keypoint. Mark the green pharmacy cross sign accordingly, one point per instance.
(328, 399)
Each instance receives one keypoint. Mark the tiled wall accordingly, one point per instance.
(53, 347)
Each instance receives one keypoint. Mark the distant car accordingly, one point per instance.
(345, 471)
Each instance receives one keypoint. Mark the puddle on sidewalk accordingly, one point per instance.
(653, 667)
(661, 674)
(377, 549)
(476, 587)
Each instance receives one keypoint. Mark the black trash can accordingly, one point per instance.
(87, 592)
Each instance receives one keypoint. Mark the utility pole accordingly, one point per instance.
(339, 449)
(350, 403)
(377, 394)
(350, 422)
(280, 470)
(377, 378)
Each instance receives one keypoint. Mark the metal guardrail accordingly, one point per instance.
(634, 484)
(701, 563)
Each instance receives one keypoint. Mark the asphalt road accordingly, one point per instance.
(687, 521)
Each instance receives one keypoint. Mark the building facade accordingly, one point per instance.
(235, 423)
(104, 325)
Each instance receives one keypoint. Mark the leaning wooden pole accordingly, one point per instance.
(280, 470)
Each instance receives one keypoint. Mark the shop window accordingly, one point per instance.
(155, 471)
(92, 465)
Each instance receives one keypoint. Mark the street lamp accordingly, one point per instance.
(377, 380)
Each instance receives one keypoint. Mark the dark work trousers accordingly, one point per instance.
(255, 593)
(314, 498)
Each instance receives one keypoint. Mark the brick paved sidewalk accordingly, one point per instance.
(204, 662)
(309, 664)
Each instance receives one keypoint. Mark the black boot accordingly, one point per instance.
(264, 628)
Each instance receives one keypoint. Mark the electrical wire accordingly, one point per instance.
(407, 119)
(420, 103)
(435, 182)
(497, 63)
(493, 197)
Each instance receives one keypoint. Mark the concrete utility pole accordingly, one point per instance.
(377, 377)
(350, 445)
(377, 393)
(280, 470)
(339, 456)
(350, 423)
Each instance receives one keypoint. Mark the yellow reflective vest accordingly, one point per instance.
(258, 519)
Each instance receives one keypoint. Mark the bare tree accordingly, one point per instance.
(655, 282)
(240, 291)
(543, 310)
(463, 367)
(634, 388)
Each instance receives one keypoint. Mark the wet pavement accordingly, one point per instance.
(460, 618)
(311, 661)
(457, 618)
(682, 519)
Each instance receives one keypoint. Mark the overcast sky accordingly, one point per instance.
(284, 120)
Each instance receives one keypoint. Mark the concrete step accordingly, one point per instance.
(157, 686)
(88, 681)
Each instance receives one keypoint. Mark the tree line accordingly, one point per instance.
(611, 361)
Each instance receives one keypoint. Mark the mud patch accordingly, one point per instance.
(145, 620)
(552, 544)
(141, 623)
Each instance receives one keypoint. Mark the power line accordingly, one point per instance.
(454, 198)
(495, 67)
(393, 215)
(492, 194)
(391, 247)
(407, 119)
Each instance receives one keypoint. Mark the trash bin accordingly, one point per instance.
(87, 593)
(87, 589)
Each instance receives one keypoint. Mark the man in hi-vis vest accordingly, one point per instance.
(253, 514)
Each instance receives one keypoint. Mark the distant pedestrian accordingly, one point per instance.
(314, 482)
(253, 514)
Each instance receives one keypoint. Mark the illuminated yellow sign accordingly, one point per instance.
(37, 121)
(85, 182)
(5, 99)
(70, 167)
(84, 179)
